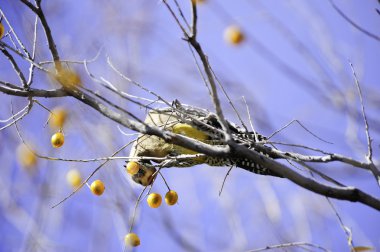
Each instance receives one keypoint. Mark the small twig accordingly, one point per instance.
(163, 178)
(250, 120)
(194, 15)
(373, 168)
(346, 229)
(224, 180)
(328, 157)
(181, 14)
(291, 244)
(30, 6)
(229, 99)
(299, 123)
(199, 69)
(214, 94)
(48, 34)
(14, 116)
(4, 45)
(15, 66)
(90, 176)
(322, 175)
(369, 140)
(135, 209)
(15, 35)
(15, 120)
(32, 66)
(175, 18)
(136, 83)
(340, 12)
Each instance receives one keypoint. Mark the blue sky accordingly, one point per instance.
(143, 41)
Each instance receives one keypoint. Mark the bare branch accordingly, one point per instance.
(90, 176)
(343, 193)
(32, 92)
(30, 6)
(48, 34)
(369, 34)
(289, 245)
(15, 66)
(194, 19)
(14, 119)
(32, 66)
(372, 166)
(175, 18)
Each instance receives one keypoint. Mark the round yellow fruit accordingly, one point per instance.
(233, 35)
(171, 197)
(2, 30)
(26, 157)
(74, 178)
(198, 1)
(154, 200)
(133, 167)
(132, 240)
(68, 78)
(97, 187)
(57, 140)
(58, 117)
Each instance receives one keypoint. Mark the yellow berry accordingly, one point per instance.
(198, 1)
(2, 30)
(154, 200)
(74, 178)
(57, 140)
(68, 78)
(26, 157)
(133, 167)
(233, 35)
(171, 197)
(132, 240)
(97, 187)
(58, 117)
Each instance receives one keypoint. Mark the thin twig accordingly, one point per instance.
(49, 36)
(175, 18)
(15, 120)
(181, 14)
(135, 209)
(373, 168)
(346, 229)
(199, 69)
(229, 99)
(291, 244)
(340, 12)
(250, 120)
(90, 176)
(224, 180)
(299, 123)
(15, 115)
(32, 66)
(15, 66)
(194, 21)
(15, 35)
(135, 82)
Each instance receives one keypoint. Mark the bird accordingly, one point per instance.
(195, 123)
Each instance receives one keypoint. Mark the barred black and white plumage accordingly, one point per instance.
(201, 125)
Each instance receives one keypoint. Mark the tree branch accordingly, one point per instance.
(33, 92)
(343, 193)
